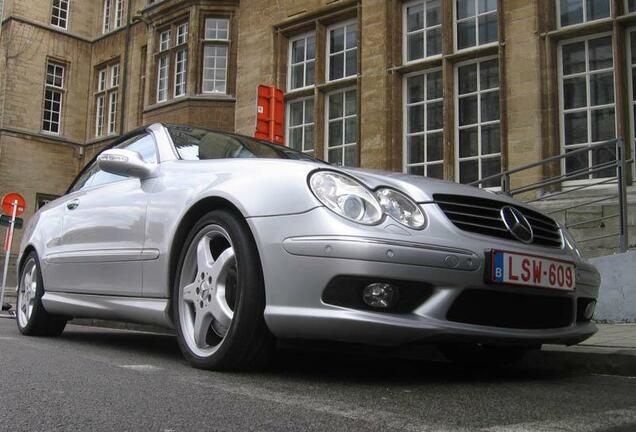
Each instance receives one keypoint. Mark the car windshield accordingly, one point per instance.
(203, 144)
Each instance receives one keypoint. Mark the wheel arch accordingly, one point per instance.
(191, 216)
(27, 250)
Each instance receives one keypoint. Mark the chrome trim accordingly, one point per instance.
(132, 309)
(94, 256)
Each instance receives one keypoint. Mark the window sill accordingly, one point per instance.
(196, 98)
(586, 28)
(428, 63)
(338, 84)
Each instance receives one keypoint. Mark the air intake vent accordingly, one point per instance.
(482, 216)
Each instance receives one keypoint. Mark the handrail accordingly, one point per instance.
(545, 161)
(618, 165)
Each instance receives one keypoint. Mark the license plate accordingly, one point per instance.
(530, 270)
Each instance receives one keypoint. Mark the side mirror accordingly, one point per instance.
(124, 162)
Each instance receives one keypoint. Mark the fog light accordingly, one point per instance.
(380, 295)
(588, 313)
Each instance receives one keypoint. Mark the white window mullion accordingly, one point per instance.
(106, 17)
(180, 67)
(112, 112)
(162, 79)
(99, 116)
(119, 13)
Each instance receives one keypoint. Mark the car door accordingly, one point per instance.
(103, 230)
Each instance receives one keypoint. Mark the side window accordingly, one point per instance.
(144, 145)
(83, 180)
(93, 176)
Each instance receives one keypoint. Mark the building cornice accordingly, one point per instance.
(64, 32)
(51, 139)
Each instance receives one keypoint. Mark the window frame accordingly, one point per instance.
(53, 16)
(405, 34)
(588, 108)
(107, 9)
(585, 20)
(225, 43)
(302, 126)
(119, 14)
(476, 17)
(405, 132)
(303, 36)
(328, 54)
(53, 89)
(183, 74)
(160, 59)
(343, 119)
(626, 11)
(104, 92)
(456, 132)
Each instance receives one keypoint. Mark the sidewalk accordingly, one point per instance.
(610, 351)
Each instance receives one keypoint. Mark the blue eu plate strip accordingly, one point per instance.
(498, 268)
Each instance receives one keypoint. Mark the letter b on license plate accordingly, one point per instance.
(530, 270)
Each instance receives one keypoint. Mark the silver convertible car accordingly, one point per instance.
(236, 243)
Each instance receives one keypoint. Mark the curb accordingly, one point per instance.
(582, 358)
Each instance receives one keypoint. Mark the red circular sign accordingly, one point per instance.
(7, 204)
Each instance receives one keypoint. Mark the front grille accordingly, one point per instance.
(480, 215)
(511, 310)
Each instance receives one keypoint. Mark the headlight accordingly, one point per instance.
(346, 197)
(401, 208)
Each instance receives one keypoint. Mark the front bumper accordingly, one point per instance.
(302, 253)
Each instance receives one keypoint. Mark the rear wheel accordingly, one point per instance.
(485, 355)
(219, 296)
(31, 317)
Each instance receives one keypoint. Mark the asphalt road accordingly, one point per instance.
(93, 379)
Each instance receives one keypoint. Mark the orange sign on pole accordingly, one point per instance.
(9, 200)
(12, 204)
(270, 115)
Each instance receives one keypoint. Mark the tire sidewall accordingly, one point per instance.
(38, 307)
(249, 296)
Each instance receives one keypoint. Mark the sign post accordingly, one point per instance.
(13, 204)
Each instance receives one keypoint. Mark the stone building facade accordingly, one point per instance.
(455, 89)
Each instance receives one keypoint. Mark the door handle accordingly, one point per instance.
(72, 205)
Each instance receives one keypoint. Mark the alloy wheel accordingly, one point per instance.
(27, 292)
(207, 290)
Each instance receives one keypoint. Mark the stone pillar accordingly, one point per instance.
(375, 108)
(522, 89)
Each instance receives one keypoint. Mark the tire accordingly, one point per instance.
(31, 317)
(218, 297)
(485, 355)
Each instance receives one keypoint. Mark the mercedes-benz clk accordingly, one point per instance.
(236, 243)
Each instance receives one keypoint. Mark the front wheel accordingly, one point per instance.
(219, 296)
(31, 317)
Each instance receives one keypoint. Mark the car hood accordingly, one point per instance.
(421, 189)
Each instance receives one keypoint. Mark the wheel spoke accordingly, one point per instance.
(222, 264)
(204, 255)
(189, 293)
(221, 312)
(201, 326)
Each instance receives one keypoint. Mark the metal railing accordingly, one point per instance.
(561, 183)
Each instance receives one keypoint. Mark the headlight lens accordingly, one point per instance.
(346, 197)
(401, 208)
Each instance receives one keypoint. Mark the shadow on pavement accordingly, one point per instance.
(326, 362)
